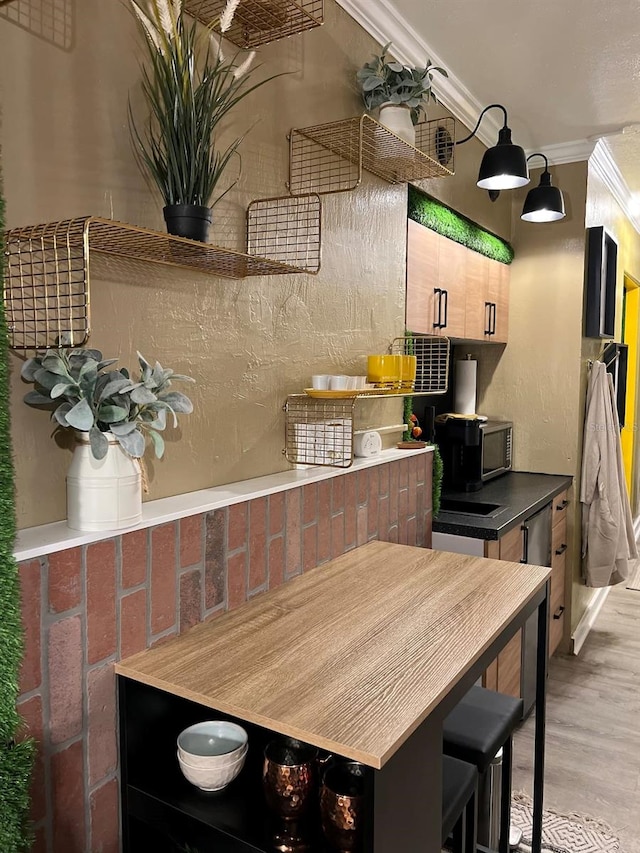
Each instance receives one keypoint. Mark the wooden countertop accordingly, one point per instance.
(352, 656)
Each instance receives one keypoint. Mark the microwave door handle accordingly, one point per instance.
(525, 544)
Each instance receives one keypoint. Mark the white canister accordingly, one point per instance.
(397, 118)
(367, 444)
(103, 494)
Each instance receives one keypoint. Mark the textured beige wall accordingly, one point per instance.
(249, 343)
(535, 380)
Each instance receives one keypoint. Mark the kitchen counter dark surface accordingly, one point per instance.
(517, 496)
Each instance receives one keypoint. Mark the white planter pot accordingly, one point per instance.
(397, 118)
(103, 494)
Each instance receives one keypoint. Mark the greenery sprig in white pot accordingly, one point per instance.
(189, 88)
(113, 417)
(398, 91)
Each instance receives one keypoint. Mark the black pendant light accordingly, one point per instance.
(545, 202)
(503, 167)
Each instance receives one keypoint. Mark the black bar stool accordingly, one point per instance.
(459, 804)
(480, 724)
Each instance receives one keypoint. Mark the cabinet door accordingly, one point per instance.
(422, 278)
(509, 667)
(558, 574)
(498, 299)
(512, 545)
(452, 274)
(477, 312)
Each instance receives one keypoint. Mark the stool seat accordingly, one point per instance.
(459, 781)
(479, 726)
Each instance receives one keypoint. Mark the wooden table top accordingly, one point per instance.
(352, 656)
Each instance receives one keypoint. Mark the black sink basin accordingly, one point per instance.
(470, 507)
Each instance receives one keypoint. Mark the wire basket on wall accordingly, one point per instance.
(319, 432)
(432, 356)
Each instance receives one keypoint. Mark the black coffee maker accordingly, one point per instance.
(461, 450)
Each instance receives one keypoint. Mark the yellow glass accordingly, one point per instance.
(385, 370)
(408, 371)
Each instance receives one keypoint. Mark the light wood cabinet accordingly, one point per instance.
(558, 571)
(454, 291)
(508, 663)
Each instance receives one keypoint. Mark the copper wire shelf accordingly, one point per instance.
(319, 432)
(432, 361)
(331, 158)
(258, 22)
(47, 270)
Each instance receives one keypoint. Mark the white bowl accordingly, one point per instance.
(215, 741)
(213, 760)
(211, 778)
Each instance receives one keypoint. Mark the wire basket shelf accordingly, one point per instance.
(259, 22)
(432, 361)
(330, 158)
(47, 271)
(287, 230)
(319, 432)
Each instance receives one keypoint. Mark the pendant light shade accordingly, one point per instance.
(544, 203)
(503, 167)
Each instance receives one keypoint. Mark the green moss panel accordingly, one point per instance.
(441, 219)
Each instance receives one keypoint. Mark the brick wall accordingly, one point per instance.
(87, 607)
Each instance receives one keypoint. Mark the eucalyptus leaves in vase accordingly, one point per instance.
(113, 416)
(398, 90)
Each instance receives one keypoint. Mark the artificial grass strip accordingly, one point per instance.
(441, 219)
(436, 490)
(16, 759)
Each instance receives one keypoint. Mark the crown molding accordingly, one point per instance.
(567, 152)
(606, 168)
(384, 23)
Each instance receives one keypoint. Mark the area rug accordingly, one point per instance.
(562, 833)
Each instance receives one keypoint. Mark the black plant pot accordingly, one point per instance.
(188, 220)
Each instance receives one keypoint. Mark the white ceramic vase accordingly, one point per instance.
(397, 118)
(103, 494)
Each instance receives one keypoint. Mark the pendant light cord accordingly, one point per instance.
(480, 117)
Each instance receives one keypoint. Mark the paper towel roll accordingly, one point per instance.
(465, 390)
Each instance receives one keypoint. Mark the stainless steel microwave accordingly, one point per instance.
(474, 451)
(496, 448)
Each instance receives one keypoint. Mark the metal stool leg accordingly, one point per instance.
(457, 836)
(471, 825)
(505, 804)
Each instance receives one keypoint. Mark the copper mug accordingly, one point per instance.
(342, 805)
(289, 777)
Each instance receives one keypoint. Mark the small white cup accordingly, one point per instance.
(320, 382)
(338, 383)
(352, 383)
(361, 382)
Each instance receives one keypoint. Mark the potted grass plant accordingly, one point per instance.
(398, 91)
(114, 417)
(189, 88)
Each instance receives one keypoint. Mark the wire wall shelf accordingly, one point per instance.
(258, 22)
(319, 432)
(330, 158)
(432, 361)
(47, 270)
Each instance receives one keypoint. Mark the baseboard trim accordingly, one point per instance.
(588, 619)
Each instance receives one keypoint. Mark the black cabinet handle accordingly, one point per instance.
(562, 505)
(561, 550)
(525, 544)
(487, 318)
(558, 612)
(446, 309)
(493, 325)
(438, 323)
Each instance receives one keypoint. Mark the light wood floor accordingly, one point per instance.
(593, 725)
